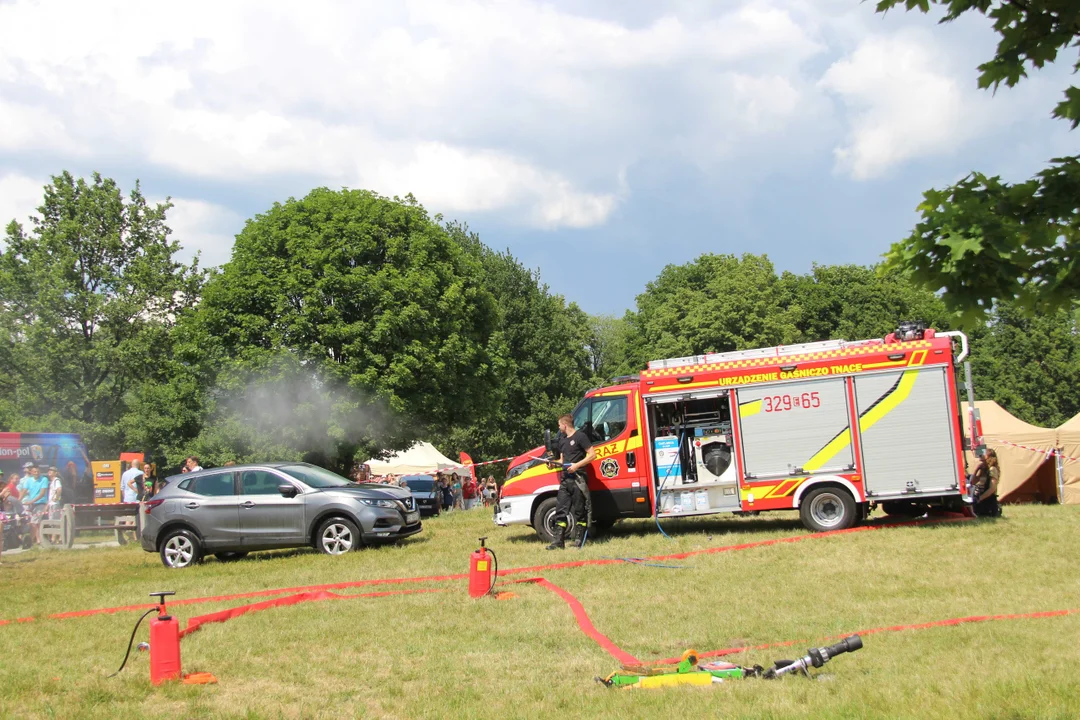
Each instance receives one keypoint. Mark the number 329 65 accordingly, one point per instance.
(784, 403)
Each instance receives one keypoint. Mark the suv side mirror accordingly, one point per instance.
(287, 490)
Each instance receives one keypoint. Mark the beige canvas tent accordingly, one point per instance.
(1028, 472)
(420, 458)
(1068, 441)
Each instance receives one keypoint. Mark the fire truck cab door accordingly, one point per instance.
(609, 420)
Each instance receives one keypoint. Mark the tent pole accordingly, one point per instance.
(1059, 465)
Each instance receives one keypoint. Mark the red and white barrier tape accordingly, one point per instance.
(1041, 451)
(486, 462)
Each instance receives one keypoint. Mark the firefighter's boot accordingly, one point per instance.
(577, 537)
(559, 541)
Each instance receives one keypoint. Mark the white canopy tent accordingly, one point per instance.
(420, 458)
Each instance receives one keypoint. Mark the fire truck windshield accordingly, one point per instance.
(601, 418)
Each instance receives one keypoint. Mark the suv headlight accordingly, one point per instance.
(380, 503)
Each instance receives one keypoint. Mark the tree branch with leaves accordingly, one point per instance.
(983, 240)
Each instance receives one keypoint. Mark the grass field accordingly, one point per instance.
(444, 655)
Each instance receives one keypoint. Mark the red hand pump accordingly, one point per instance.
(164, 643)
(481, 577)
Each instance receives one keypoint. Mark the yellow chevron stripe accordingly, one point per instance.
(897, 396)
(786, 488)
(759, 492)
(750, 409)
(828, 452)
(883, 408)
(917, 358)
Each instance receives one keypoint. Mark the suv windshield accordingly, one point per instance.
(421, 484)
(316, 477)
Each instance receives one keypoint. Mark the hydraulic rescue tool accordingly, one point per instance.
(690, 671)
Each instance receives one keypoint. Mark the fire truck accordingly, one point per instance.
(832, 429)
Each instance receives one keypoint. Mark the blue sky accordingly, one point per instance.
(598, 141)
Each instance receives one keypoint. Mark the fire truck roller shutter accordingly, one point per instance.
(798, 427)
(904, 419)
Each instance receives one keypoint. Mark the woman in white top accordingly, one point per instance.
(56, 495)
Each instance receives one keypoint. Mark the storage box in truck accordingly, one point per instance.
(831, 429)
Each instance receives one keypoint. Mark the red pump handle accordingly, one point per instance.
(160, 595)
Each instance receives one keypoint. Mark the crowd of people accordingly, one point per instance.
(454, 493)
(40, 496)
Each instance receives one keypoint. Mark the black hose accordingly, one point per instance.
(495, 573)
(131, 641)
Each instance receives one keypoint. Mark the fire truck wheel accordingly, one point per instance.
(543, 520)
(828, 508)
(180, 548)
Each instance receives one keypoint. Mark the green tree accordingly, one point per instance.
(344, 323)
(541, 362)
(983, 239)
(856, 302)
(1029, 365)
(90, 296)
(713, 304)
(606, 345)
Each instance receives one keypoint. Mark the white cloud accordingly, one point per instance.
(204, 227)
(463, 181)
(19, 198)
(904, 102)
(516, 107)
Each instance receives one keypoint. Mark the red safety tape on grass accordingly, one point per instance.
(463, 576)
(583, 621)
(735, 548)
(242, 596)
(195, 623)
(893, 628)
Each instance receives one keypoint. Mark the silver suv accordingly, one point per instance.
(231, 511)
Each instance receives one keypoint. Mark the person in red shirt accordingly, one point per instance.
(9, 493)
(468, 493)
(9, 497)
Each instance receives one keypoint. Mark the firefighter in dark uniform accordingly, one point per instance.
(575, 452)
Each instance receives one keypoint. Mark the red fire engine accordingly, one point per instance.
(830, 429)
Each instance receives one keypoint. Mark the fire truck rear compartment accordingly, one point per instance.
(693, 450)
(895, 426)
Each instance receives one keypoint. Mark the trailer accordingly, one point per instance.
(832, 429)
(118, 518)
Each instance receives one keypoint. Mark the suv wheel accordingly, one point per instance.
(337, 536)
(180, 548)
